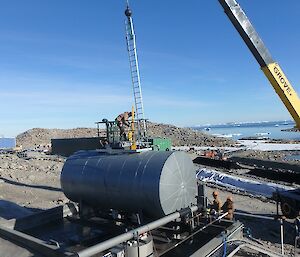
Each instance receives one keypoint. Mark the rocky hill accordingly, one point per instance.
(179, 136)
(186, 136)
(40, 136)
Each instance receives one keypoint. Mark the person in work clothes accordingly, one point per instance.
(122, 122)
(228, 207)
(216, 205)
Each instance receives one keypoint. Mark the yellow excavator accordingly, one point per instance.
(289, 200)
(270, 68)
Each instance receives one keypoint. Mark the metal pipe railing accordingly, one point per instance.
(193, 234)
(98, 248)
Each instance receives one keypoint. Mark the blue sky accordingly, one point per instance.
(63, 63)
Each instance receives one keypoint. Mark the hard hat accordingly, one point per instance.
(215, 193)
(230, 198)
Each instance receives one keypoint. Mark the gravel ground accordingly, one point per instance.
(265, 232)
(281, 156)
(30, 183)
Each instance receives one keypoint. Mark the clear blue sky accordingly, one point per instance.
(63, 63)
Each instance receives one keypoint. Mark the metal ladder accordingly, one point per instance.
(135, 76)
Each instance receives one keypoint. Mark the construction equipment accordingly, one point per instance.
(131, 133)
(290, 202)
(270, 68)
(135, 75)
(113, 139)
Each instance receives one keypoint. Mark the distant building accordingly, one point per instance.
(7, 143)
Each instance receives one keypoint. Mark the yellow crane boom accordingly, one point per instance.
(270, 68)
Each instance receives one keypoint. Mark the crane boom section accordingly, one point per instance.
(270, 68)
(284, 89)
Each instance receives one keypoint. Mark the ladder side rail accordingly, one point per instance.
(135, 76)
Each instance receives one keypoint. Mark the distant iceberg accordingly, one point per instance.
(262, 134)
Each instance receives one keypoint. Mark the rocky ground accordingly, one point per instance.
(187, 136)
(40, 136)
(280, 156)
(31, 183)
(265, 232)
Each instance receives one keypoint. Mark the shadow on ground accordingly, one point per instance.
(10, 210)
(267, 230)
(12, 182)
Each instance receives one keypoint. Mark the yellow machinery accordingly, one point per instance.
(284, 89)
(270, 68)
(131, 133)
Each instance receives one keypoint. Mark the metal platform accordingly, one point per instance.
(59, 232)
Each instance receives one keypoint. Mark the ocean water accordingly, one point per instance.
(271, 130)
(6, 143)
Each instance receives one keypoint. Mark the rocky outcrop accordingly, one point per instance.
(179, 136)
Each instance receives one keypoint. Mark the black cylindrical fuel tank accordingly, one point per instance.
(156, 183)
